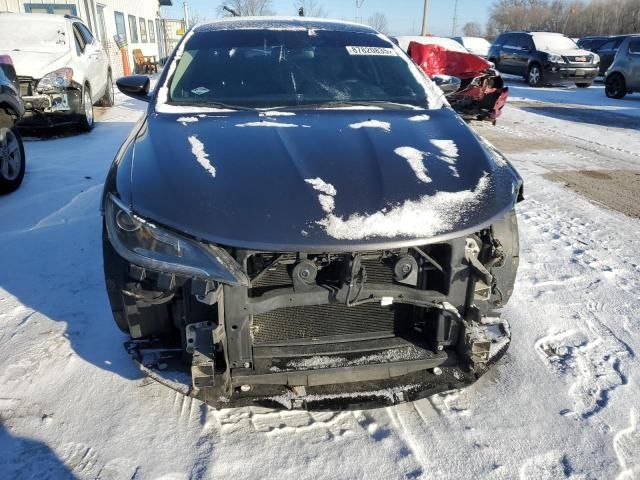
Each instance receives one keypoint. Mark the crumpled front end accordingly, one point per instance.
(482, 93)
(323, 330)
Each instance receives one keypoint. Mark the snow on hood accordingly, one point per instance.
(37, 64)
(419, 118)
(202, 157)
(328, 186)
(415, 158)
(568, 53)
(386, 126)
(263, 123)
(426, 217)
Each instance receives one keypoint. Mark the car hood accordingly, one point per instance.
(321, 179)
(37, 64)
(569, 53)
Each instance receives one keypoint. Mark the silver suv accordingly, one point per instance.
(624, 74)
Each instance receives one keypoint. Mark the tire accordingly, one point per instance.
(504, 273)
(583, 85)
(108, 99)
(86, 121)
(534, 76)
(12, 159)
(615, 86)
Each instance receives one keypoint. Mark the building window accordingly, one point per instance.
(143, 30)
(133, 28)
(152, 32)
(50, 8)
(121, 27)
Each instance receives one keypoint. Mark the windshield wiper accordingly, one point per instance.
(220, 105)
(353, 103)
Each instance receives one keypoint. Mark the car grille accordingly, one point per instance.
(27, 86)
(288, 325)
(580, 59)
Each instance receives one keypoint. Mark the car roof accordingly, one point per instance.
(46, 17)
(281, 23)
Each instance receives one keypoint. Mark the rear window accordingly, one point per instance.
(271, 68)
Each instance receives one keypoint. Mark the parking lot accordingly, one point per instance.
(563, 402)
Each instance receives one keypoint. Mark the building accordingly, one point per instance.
(138, 22)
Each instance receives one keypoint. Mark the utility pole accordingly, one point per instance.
(425, 18)
(358, 6)
(454, 27)
(186, 15)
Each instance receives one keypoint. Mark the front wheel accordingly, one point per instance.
(583, 85)
(615, 86)
(86, 112)
(12, 160)
(108, 99)
(534, 76)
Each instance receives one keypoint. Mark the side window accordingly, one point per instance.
(81, 43)
(527, 42)
(634, 47)
(609, 45)
(133, 28)
(86, 34)
(152, 32)
(121, 27)
(498, 42)
(511, 41)
(143, 30)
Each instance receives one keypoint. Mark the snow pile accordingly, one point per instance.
(386, 126)
(415, 159)
(425, 217)
(197, 148)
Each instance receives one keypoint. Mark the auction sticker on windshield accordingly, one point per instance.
(385, 52)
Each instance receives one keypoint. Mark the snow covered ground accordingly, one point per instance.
(563, 403)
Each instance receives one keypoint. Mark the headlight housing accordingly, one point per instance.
(555, 58)
(147, 245)
(596, 59)
(56, 80)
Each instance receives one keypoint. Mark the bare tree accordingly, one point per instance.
(248, 8)
(311, 8)
(472, 29)
(379, 22)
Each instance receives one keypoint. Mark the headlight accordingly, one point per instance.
(555, 58)
(56, 80)
(158, 249)
(596, 59)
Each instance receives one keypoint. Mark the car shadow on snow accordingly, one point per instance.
(51, 256)
(22, 458)
(604, 118)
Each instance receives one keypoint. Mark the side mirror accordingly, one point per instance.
(135, 86)
(448, 84)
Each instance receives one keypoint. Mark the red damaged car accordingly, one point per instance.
(482, 93)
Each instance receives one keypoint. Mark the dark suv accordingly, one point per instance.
(607, 51)
(543, 58)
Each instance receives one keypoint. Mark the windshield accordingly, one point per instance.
(476, 43)
(273, 68)
(554, 42)
(32, 35)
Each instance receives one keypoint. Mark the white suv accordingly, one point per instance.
(62, 69)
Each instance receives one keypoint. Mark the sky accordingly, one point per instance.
(405, 16)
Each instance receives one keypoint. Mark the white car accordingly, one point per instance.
(449, 44)
(62, 69)
(476, 45)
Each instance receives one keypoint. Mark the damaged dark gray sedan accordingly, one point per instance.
(303, 221)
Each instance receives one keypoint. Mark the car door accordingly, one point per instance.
(608, 52)
(507, 54)
(521, 56)
(93, 58)
(633, 82)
